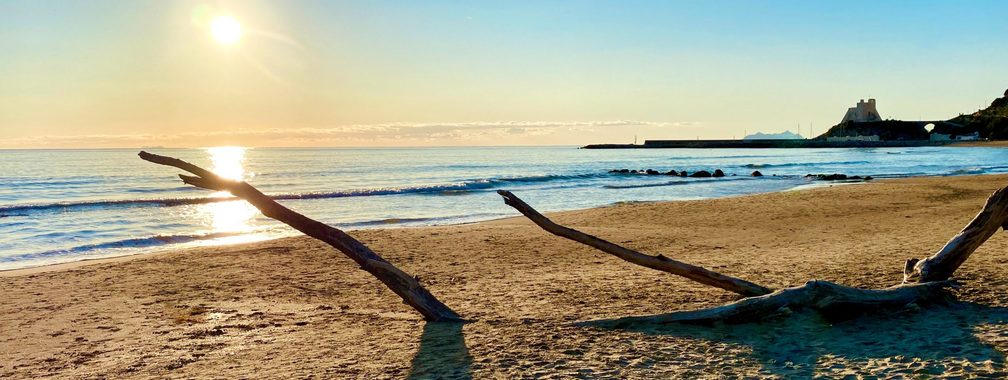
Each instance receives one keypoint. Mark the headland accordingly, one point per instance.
(863, 127)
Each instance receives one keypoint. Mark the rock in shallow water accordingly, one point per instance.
(837, 177)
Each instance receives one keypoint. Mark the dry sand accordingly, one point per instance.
(295, 308)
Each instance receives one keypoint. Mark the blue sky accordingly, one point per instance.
(119, 73)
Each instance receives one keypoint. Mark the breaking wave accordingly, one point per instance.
(792, 164)
(458, 188)
(145, 242)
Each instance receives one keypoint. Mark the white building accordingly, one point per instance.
(943, 137)
(862, 112)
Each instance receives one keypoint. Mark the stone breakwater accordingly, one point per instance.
(720, 173)
(745, 144)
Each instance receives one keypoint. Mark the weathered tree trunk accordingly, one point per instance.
(395, 279)
(830, 299)
(658, 262)
(944, 263)
(827, 298)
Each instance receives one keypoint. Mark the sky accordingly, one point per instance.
(97, 74)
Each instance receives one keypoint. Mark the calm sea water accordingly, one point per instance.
(66, 205)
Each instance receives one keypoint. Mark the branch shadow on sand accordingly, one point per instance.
(923, 341)
(442, 354)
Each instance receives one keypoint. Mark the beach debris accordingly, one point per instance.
(701, 174)
(718, 173)
(941, 265)
(404, 285)
(756, 173)
(832, 300)
(924, 280)
(658, 262)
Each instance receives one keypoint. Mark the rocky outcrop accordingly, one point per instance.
(682, 173)
(837, 177)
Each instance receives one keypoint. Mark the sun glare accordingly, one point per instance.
(227, 161)
(226, 30)
(228, 217)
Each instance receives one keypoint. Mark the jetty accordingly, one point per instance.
(770, 143)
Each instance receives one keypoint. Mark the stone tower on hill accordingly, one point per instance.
(862, 113)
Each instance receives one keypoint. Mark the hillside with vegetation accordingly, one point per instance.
(991, 123)
(885, 130)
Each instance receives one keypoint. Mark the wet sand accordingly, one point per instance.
(981, 143)
(295, 308)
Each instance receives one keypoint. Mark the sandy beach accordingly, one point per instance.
(294, 308)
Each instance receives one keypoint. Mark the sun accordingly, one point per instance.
(226, 30)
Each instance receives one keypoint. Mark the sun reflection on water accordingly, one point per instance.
(227, 161)
(232, 217)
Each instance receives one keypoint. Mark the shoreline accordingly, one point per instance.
(90, 230)
(13, 272)
(168, 249)
(294, 234)
(293, 306)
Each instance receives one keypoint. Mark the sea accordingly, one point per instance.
(60, 206)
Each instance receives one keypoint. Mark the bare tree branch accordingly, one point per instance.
(828, 298)
(398, 281)
(944, 263)
(658, 262)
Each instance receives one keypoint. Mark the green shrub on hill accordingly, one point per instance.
(991, 122)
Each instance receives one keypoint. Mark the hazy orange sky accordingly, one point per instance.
(372, 73)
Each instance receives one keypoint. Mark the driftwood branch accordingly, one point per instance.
(827, 298)
(659, 262)
(944, 263)
(403, 284)
(924, 280)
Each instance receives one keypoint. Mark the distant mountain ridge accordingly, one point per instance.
(786, 135)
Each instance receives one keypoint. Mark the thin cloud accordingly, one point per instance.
(346, 135)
